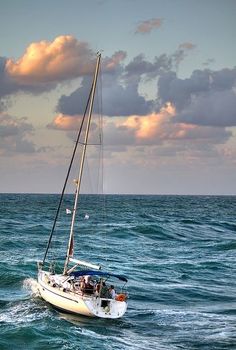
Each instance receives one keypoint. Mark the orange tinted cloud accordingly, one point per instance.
(65, 122)
(148, 129)
(162, 126)
(45, 61)
(158, 125)
(147, 26)
(115, 60)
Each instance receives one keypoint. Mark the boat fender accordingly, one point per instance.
(121, 297)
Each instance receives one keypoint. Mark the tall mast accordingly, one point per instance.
(78, 182)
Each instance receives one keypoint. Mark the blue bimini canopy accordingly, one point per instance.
(97, 273)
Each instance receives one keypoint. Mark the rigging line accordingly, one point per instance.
(91, 101)
(99, 190)
(101, 167)
(67, 176)
(90, 183)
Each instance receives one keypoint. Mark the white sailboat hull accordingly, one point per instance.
(72, 302)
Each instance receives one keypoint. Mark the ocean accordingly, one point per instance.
(178, 253)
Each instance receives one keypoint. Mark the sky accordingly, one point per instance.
(168, 93)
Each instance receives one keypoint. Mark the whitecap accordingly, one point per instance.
(22, 312)
(31, 285)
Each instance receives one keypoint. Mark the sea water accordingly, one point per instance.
(178, 253)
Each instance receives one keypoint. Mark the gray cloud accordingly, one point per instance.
(139, 66)
(162, 63)
(216, 108)
(196, 99)
(120, 95)
(206, 98)
(223, 79)
(118, 136)
(75, 103)
(179, 55)
(6, 85)
(121, 100)
(9, 86)
(117, 99)
(13, 135)
(179, 91)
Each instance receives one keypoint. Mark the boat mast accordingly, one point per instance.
(66, 180)
(78, 181)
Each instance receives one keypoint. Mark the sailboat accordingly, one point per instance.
(81, 287)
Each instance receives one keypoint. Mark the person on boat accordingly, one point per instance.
(87, 279)
(82, 284)
(104, 291)
(87, 286)
(112, 292)
(96, 287)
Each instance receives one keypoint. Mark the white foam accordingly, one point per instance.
(22, 312)
(32, 285)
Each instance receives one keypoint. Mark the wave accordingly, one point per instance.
(231, 245)
(177, 252)
(31, 285)
(24, 311)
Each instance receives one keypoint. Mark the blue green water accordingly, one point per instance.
(178, 253)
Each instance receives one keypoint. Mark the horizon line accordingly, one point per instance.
(123, 194)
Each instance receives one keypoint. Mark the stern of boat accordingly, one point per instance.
(106, 308)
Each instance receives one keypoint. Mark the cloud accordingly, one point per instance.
(117, 99)
(216, 108)
(147, 26)
(75, 103)
(179, 55)
(65, 122)
(7, 86)
(162, 63)
(179, 91)
(14, 135)
(110, 64)
(150, 127)
(194, 109)
(44, 61)
(48, 63)
(206, 98)
(140, 66)
(187, 46)
(161, 128)
(61, 59)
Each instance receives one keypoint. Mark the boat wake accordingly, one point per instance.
(22, 312)
(31, 285)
